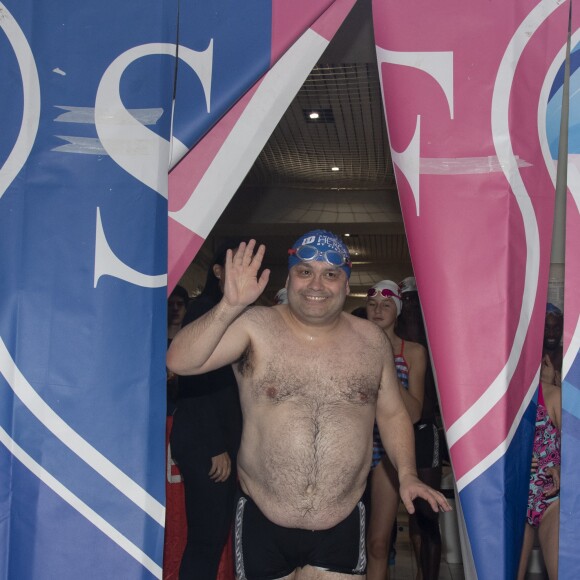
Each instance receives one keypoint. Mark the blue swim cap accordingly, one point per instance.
(320, 245)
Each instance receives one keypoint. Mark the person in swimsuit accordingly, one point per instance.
(383, 307)
(312, 378)
(543, 513)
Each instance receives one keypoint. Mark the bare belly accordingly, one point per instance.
(306, 466)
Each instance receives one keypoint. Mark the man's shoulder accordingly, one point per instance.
(256, 310)
(366, 329)
(258, 314)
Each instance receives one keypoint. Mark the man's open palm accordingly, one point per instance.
(242, 286)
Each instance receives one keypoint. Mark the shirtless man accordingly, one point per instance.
(311, 378)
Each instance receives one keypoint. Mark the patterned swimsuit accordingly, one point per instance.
(403, 375)
(547, 451)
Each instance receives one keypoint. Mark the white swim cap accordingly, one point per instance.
(388, 289)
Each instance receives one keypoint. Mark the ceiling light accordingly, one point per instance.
(319, 115)
(335, 168)
(347, 235)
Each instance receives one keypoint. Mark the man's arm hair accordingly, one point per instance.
(214, 340)
(217, 338)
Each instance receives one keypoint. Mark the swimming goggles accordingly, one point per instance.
(309, 253)
(384, 292)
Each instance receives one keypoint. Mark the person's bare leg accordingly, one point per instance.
(384, 504)
(548, 534)
(528, 544)
(311, 573)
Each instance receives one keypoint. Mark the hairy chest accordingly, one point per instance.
(311, 375)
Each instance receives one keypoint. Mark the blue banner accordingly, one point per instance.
(569, 561)
(225, 47)
(86, 114)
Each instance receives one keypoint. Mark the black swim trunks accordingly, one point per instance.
(266, 551)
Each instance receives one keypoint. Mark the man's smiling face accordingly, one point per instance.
(317, 291)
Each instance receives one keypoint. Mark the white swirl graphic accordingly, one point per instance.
(509, 163)
(67, 435)
(138, 150)
(79, 505)
(551, 166)
(31, 100)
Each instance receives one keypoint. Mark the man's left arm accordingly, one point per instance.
(398, 439)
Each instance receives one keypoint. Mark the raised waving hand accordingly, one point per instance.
(242, 285)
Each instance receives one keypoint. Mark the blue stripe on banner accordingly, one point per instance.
(82, 285)
(570, 475)
(241, 36)
(571, 401)
(78, 478)
(559, 78)
(76, 546)
(499, 496)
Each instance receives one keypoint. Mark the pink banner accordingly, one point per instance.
(466, 88)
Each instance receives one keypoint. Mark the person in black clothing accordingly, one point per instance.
(205, 438)
(424, 523)
(176, 309)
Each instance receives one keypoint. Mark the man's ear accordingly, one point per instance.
(217, 271)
